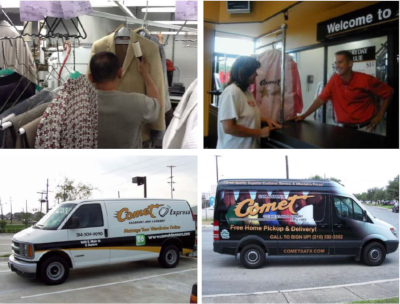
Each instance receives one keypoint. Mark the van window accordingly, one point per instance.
(346, 207)
(89, 216)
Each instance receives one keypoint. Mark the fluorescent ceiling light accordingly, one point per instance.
(177, 22)
(174, 33)
(19, 27)
(159, 10)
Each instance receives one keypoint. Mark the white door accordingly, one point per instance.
(88, 235)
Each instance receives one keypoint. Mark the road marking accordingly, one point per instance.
(108, 284)
(301, 289)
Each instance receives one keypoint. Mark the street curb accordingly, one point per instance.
(347, 292)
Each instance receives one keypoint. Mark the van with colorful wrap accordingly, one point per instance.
(88, 233)
(296, 217)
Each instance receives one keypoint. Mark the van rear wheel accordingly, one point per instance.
(374, 254)
(252, 256)
(169, 256)
(54, 270)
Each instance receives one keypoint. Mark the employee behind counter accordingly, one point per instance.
(353, 96)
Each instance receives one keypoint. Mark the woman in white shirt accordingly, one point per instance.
(239, 117)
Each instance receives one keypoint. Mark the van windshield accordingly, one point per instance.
(54, 218)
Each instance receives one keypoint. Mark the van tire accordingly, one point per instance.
(169, 257)
(252, 256)
(374, 254)
(54, 270)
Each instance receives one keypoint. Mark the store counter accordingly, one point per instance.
(309, 134)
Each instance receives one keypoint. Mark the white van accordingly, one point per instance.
(87, 233)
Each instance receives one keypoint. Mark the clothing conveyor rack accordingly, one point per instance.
(281, 29)
(130, 20)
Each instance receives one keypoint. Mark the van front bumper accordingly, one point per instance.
(21, 267)
(392, 246)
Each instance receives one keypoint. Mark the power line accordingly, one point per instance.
(126, 166)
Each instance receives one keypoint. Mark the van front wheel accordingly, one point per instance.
(169, 257)
(374, 254)
(54, 270)
(252, 256)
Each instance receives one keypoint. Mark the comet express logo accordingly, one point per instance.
(164, 211)
(254, 209)
(124, 214)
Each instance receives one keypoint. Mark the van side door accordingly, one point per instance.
(347, 225)
(87, 234)
(308, 231)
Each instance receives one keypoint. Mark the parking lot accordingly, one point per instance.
(144, 282)
(223, 274)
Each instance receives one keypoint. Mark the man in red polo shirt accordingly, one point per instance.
(353, 96)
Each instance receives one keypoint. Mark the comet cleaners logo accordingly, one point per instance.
(255, 209)
(124, 214)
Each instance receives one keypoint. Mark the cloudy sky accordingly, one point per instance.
(24, 175)
(358, 170)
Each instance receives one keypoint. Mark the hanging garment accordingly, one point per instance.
(11, 133)
(70, 121)
(28, 138)
(147, 35)
(14, 88)
(18, 56)
(132, 80)
(268, 86)
(43, 96)
(182, 132)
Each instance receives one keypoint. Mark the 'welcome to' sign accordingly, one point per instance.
(373, 15)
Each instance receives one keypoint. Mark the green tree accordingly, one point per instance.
(334, 179)
(379, 195)
(393, 188)
(70, 191)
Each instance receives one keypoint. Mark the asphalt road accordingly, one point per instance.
(223, 274)
(135, 282)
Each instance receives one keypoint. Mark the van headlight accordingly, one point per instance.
(394, 231)
(26, 250)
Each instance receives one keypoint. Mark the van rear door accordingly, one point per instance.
(308, 230)
(88, 241)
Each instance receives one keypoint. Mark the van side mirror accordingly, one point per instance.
(75, 223)
(365, 215)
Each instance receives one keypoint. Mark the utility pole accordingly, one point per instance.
(287, 168)
(11, 209)
(47, 197)
(216, 164)
(171, 182)
(41, 199)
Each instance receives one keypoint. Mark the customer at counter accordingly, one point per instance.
(239, 117)
(353, 96)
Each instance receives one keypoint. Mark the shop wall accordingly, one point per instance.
(310, 62)
(211, 11)
(185, 58)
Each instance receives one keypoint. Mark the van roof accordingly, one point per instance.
(123, 199)
(280, 182)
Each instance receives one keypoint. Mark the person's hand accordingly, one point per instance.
(299, 118)
(375, 121)
(144, 66)
(264, 132)
(272, 123)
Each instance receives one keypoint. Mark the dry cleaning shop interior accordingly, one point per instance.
(307, 34)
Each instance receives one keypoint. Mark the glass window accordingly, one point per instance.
(53, 219)
(358, 212)
(234, 45)
(377, 67)
(346, 207)
(89, 216)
